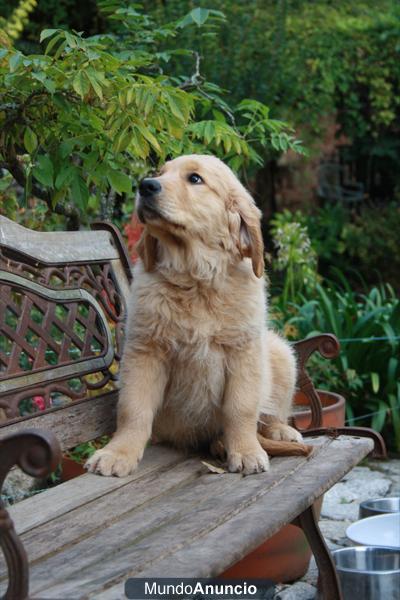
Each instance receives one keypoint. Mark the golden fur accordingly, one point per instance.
(200, 362)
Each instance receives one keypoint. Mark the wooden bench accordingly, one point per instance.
(63, 305)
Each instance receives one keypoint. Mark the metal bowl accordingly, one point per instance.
(368, 573)
(379, 506)
(382, 531)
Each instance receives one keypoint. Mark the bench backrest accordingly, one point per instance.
(63, 299)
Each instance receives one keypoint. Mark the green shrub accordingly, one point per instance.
(363, 244)
(367, 372)
(372, 243)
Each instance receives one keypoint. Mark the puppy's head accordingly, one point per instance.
(194, 199)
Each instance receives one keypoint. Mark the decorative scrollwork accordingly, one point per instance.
(37, 453)
(328, 346)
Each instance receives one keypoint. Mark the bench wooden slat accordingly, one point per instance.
(280, 506)
(53, 247)
(72, 494)
(74, 424)
(117, 506)
(189, 524)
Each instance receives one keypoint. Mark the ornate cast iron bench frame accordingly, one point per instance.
(62, 310)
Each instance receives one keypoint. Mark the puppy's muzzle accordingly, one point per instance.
(148, 208)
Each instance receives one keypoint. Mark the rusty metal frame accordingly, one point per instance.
(37, 453)
(101, 285)
(379, 450)
(81, 366)
(328, 580)
(119, 243)
(328, 346)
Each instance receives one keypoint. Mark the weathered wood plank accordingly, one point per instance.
(84, 521)
(281, 506)
(197, 530)
(58, 246)
(73, 424)
(158, 527)
(64, 498)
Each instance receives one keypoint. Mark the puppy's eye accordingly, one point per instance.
(195, 178)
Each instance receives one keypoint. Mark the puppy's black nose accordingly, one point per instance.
(149, 187)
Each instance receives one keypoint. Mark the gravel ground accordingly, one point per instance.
(340, 508)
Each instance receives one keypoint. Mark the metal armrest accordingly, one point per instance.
(37, 452)
(328, 346)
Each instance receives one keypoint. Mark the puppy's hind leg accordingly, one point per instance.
(277, 408)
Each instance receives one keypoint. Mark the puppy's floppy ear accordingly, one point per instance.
(147, 250)
(250, 237)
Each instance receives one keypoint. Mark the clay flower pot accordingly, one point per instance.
(333, 410)
(70, 469)
(286, 555)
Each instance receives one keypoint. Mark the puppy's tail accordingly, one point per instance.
(281, 448)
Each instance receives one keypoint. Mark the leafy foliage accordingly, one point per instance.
(367, 372)
(82, 121)
(358, 243)
(368, 364)
(318, 62)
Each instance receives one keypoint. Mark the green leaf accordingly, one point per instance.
(65, 176)
(91, 75)
(44, 171)
(119, 181)
(218, 116)
(53, 42)
(199, 15)
(175, 109)
(79, 192)
(47, 33)
(395, 414)
(375, 382)
(30, 140)
(379, 419)
(146, 133)
(209, 131)
(15, 61)
(122, 140)
(81, 84)
(66, 148)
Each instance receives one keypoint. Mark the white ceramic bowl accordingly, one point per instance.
(382, 530)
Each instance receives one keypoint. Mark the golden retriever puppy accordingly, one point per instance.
(199, 362)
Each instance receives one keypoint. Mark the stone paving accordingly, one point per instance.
(375, 479)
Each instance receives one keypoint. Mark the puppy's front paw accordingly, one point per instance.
(254, 460)
(112, 462)
(281, 432)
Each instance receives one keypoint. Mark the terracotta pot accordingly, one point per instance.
(286, 555)
(70, 469)
(333, 410)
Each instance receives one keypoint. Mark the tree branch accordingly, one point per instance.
(194, 83)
